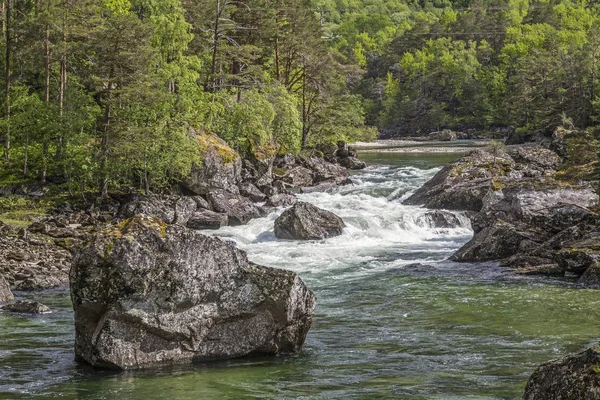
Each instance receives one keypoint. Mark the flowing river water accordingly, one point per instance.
(393, 318)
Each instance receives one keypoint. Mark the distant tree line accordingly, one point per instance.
(479, 64)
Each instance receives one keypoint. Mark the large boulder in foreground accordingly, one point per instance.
(306, 222)
(575, 377)
(146, 294)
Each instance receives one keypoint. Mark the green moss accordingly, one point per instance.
(129, 226)
(279, 171)
(498, 184)
(212, 142)
(595, 368)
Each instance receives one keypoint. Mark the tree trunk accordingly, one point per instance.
(47, 60)
(62, 83)
(104, 150)
(7, 79)
(305, 130)
(215, 48)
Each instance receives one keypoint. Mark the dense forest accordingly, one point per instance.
(100, 93)
(472, 64)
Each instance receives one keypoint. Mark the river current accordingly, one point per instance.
(394, 319)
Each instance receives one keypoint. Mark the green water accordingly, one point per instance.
(412, 159)
(384, 328)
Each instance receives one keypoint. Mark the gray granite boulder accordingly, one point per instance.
(5, 293)
(574, 377)
(307, 222)
(221, 167)
(146, 294)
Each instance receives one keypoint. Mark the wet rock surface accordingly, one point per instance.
(27, 307)
(521, 214)
(148, 294)
(5, 293)
(574, 377)
(304, 221)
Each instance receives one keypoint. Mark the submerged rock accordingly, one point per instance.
(306, 222)
(439, 219)
(147, 294)
(27, 307)
(574, 377)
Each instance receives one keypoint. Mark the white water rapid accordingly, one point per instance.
(381, 232)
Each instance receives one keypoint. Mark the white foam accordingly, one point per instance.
(378, 227)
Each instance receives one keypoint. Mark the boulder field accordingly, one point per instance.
(224, 190)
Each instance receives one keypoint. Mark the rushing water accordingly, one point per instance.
(393, 320)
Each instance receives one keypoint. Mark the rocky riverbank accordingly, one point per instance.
(523, 216)
(225, 190)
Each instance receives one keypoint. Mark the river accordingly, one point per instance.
(393, 318)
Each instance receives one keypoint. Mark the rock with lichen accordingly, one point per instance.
(574, 377)
(148, 294)
(221, 167)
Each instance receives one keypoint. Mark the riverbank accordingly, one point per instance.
(394, 317)
(414, 146)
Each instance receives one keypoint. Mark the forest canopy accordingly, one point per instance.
(99, 93)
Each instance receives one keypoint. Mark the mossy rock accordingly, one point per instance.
(212, 142)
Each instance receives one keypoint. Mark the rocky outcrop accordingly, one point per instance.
(463, 184)
(147, 294)
(250, 191)
(575, 377)
(521, 214)
(27, 307)
(221, 167)
(529, 220)
(34, 261)
(238, 209)
(206, 219)
(5, 293)
(306, 222)
(347, 157)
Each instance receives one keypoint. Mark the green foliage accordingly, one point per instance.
(121, 87)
